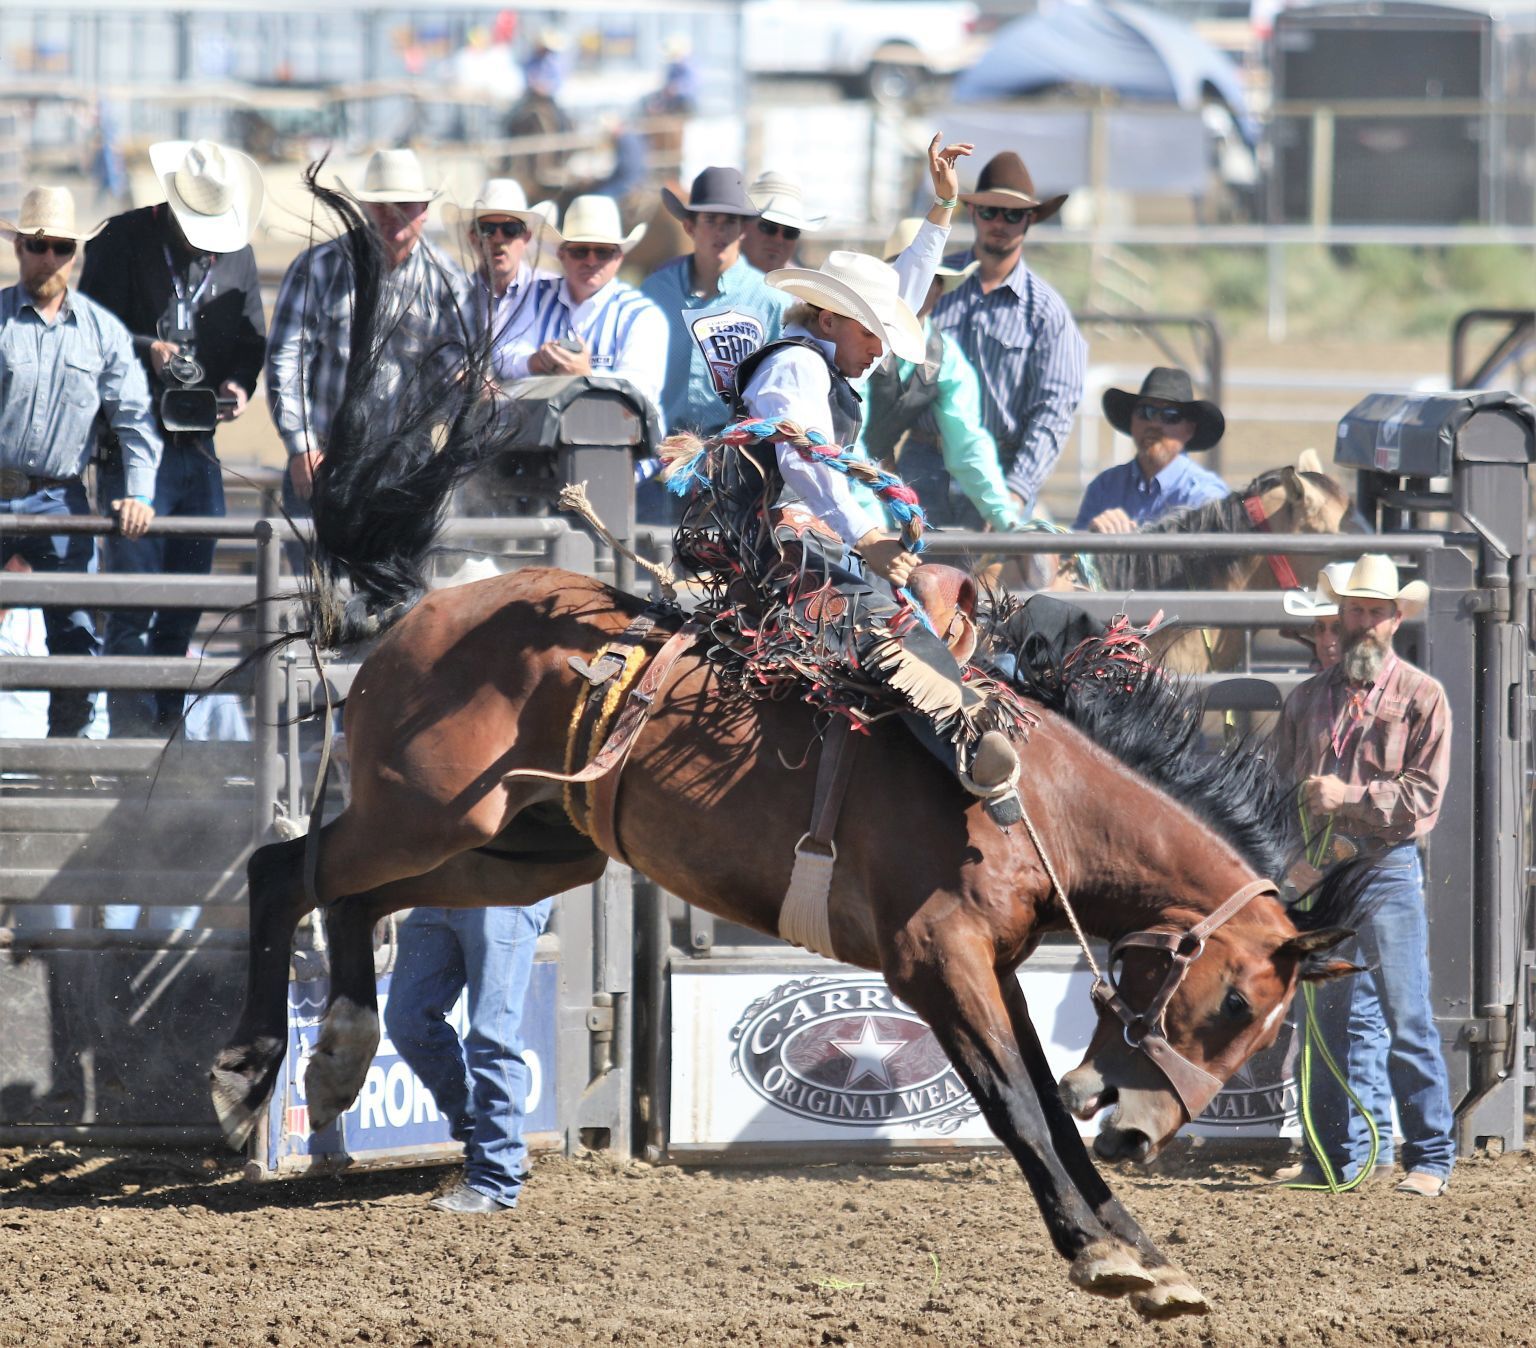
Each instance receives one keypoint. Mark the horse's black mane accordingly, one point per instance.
(1198, 571)
(1152, 724)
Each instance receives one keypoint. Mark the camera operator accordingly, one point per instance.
(182, 277)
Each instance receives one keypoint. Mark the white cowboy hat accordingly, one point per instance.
(391, 176)
(901, 239)
(862, 288)
(1375, 577)
(48, 213)
(595, 219)
(782, 200)
(1306, 604)
(215, 193)
(504, 196)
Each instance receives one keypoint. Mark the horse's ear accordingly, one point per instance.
(1325, 971)
(1308, 461)
(1306, 943)
(1295, 487)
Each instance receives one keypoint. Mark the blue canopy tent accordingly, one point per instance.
(1107, 44)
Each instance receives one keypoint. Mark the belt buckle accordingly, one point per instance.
(14, 483)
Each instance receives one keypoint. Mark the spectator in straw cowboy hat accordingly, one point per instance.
(1370, 742)
(311, 338)
(772, 240)
(925, 417)
(1166, 423)
(63, 359)
(501, 231)
(719, 309)
(1325, 638)
(182, 278)
(586, 320)
(1016, 331)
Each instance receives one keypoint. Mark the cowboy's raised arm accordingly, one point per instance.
(918, 262)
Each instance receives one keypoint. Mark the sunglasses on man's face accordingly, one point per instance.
(58, 247)
(1166, 416)
(1014, 215)
(596, 252)
(507, 229)
(773, 231)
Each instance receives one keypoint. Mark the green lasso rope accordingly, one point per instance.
(1312, 1042)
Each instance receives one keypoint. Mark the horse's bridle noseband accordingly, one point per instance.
(1144, 1030)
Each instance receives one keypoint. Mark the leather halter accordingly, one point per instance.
(1279, 564)
(1144, 1030)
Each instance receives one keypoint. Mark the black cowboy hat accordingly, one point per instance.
(719, 190)
(1005, 182)
(1169, 386)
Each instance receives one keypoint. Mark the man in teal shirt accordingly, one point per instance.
(927, 419)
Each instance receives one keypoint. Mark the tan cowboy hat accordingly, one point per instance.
(781, 200)
(1005, 182)
(505, 196)
(863, 288)
(901, 239)
(48, 213)
(1375, 577)
(392, 176)
(215, 193)
(595, 219)
(1307, 604)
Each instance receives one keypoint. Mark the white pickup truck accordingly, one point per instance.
(887, 48)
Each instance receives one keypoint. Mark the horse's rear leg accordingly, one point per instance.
(1172, 1292)
(349, 1034)
(244, 1071)
(950, 981)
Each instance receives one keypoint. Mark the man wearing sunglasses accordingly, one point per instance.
(1015, 330)
(182, 278)
(1165, 421)
(63, 359)
(502, 232)
(719, 309)
(772, 240)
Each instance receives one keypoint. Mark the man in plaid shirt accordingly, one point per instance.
(311, 334)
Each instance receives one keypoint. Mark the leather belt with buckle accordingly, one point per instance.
(14, 483)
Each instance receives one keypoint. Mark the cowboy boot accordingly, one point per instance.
(993, 775)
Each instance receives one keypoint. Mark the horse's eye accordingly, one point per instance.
(1236, 1005)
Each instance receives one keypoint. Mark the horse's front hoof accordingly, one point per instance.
(1109, 1269)
(240, 1082)
(1171, 1294)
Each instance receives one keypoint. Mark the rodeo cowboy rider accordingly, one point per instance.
(851, 313)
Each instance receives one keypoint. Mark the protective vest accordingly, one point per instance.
(847, 406)
(895, 404)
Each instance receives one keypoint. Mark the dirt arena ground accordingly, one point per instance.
(130, 1248)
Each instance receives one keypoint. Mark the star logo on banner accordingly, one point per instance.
(867, 1056)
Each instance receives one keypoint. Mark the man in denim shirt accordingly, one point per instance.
(63, 358)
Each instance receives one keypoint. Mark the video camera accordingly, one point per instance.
(187, 404)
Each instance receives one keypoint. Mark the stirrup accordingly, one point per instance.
(1002, 800)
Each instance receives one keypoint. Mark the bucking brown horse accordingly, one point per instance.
(1161, 851)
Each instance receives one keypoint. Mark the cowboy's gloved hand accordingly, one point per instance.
(886, 557)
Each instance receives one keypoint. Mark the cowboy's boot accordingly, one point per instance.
(993, 774)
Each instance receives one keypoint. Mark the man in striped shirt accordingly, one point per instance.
(311, 335)
(1016, 330)
(587, 321)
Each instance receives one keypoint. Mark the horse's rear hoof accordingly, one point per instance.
(1171, 1294)
(240, 1081)
(1109, 1269)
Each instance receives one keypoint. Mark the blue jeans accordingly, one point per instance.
(189, 482)
(1380, 1028)
(69, 631)
(481, 1085)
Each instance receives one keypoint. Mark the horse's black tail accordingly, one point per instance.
(415, 417)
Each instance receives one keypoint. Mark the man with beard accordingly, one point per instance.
(63, 359)
(1369, 740)
(1166, 422)
(1015, 330)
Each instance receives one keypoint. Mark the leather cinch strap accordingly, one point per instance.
(804, 919)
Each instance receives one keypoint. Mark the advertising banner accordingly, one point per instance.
(394, 1119)
(823, 1053)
